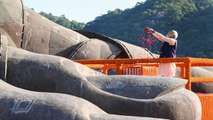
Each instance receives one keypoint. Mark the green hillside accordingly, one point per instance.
(193, 19)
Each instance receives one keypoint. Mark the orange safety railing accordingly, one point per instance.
(148, 66)
(126, 69)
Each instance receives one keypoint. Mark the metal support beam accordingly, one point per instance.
(3, 57)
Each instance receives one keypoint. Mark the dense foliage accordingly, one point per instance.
(193, 19)
(62, 20)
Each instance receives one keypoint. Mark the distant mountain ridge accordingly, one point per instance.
(193, 19)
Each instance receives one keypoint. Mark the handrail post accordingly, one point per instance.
(105, 69)
(188, 74)
(119, 69)
(182, 71)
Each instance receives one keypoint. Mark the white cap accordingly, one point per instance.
(175, 34)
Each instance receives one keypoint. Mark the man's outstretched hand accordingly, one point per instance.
(148, 29)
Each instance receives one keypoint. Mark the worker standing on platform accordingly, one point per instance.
(168, 50)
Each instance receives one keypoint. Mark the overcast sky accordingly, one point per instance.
(79, 10)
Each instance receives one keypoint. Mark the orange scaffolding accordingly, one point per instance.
(148, 67)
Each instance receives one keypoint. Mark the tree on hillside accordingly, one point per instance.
(62, 20)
